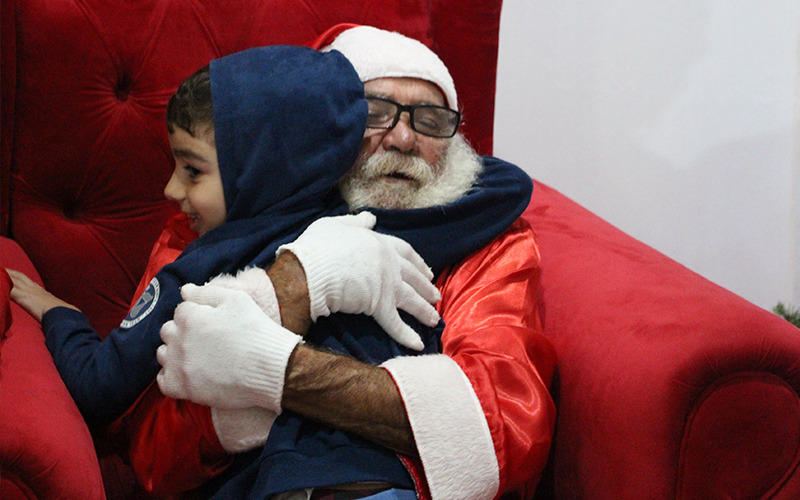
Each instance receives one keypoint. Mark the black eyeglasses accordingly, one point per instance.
(433, 121)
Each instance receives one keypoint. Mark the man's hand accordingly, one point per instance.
(352, 269)
(223, 351)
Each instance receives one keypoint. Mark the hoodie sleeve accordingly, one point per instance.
(481, 412)
(106, 375)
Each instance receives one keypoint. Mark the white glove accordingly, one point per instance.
(352, 269)
(223, 351)
(242, 430)
(255, 282)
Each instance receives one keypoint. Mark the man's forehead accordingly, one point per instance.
(405, 90)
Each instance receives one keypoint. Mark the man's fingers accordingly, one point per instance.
(417, 306)
(363, 219)
(187, 316)
(399, 331)
(419, 282)
(169, 332)
(161, 354)
(167, 386)
(407, 252)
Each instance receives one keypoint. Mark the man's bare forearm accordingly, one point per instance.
(348, 395)
(334, 389)
(289, 281)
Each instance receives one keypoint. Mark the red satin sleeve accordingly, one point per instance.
(493, 331)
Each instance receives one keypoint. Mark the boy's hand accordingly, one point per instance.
(32, 297)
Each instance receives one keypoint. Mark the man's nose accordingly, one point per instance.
(401, 137)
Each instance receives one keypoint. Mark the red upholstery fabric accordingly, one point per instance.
(45, 448)
(5, 307)
(668, 386)
(466, 39)
(8, 86)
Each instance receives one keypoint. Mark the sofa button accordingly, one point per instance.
(123, 88)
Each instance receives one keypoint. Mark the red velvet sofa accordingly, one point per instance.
(667, 386)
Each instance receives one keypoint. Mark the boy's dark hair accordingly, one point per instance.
(190, 107)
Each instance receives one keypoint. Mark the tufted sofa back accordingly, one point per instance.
(85, 83)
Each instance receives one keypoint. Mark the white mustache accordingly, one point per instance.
(434, 185)
(391, 163)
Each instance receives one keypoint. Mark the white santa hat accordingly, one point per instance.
(377, 53)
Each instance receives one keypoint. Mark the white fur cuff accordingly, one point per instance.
(450, 429)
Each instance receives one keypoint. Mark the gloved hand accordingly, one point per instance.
(242, 430)
(255, 282)
(352, 269)
(221, 350)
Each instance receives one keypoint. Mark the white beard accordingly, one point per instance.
(366, 185)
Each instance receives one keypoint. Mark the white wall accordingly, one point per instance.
(675, 121)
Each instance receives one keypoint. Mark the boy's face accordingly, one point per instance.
(196, 185)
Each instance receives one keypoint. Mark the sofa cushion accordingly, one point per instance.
(45, 447)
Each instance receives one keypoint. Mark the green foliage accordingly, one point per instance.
(790, 314)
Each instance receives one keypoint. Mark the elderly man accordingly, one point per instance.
(474, 421)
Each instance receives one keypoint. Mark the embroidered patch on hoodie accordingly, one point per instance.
(144, 306)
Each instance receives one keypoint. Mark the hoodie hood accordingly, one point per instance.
(288, 124)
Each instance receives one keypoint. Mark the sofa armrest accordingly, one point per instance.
(46, 449)
(668, 385)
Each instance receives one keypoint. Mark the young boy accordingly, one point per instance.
(253, 170)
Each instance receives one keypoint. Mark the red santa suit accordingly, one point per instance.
(481, 413)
